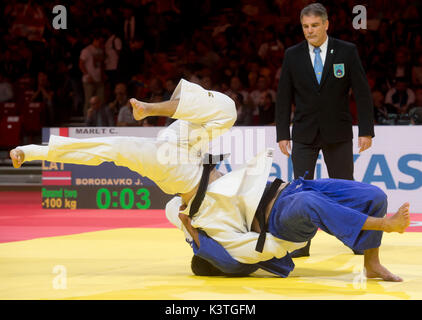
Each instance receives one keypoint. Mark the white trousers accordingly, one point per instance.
(173, 160)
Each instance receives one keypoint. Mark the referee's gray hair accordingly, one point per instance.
(314, 9)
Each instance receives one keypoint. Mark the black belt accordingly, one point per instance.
(210, 161)
(268, 195)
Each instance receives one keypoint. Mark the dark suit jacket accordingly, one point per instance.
(325, 106)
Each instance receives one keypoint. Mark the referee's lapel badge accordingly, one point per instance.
(339, 70)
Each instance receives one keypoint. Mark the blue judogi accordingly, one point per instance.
(339, 207)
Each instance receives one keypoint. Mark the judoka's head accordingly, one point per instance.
(201, 267)
(314, 20)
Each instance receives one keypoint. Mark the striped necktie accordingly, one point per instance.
(318, 64)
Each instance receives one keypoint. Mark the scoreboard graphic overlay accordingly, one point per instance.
(107, 186)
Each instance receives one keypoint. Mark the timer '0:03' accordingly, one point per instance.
(125, 199)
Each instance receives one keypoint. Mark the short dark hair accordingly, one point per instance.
(201, 267)
(314, 9)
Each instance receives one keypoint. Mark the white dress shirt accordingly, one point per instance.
(323, 52)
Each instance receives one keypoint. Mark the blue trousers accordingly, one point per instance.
(338, 207)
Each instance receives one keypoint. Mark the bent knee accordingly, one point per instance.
(377, 194)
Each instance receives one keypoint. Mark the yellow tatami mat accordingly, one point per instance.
(155, 264)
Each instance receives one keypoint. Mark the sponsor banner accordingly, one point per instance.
(393, 163)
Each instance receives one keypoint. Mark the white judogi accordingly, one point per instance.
(173, 161)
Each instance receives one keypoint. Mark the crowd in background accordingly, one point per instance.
(142, 48)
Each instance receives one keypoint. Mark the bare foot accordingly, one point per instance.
(376, 270)
(399, 221)
(140, 109)
(17, 157)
